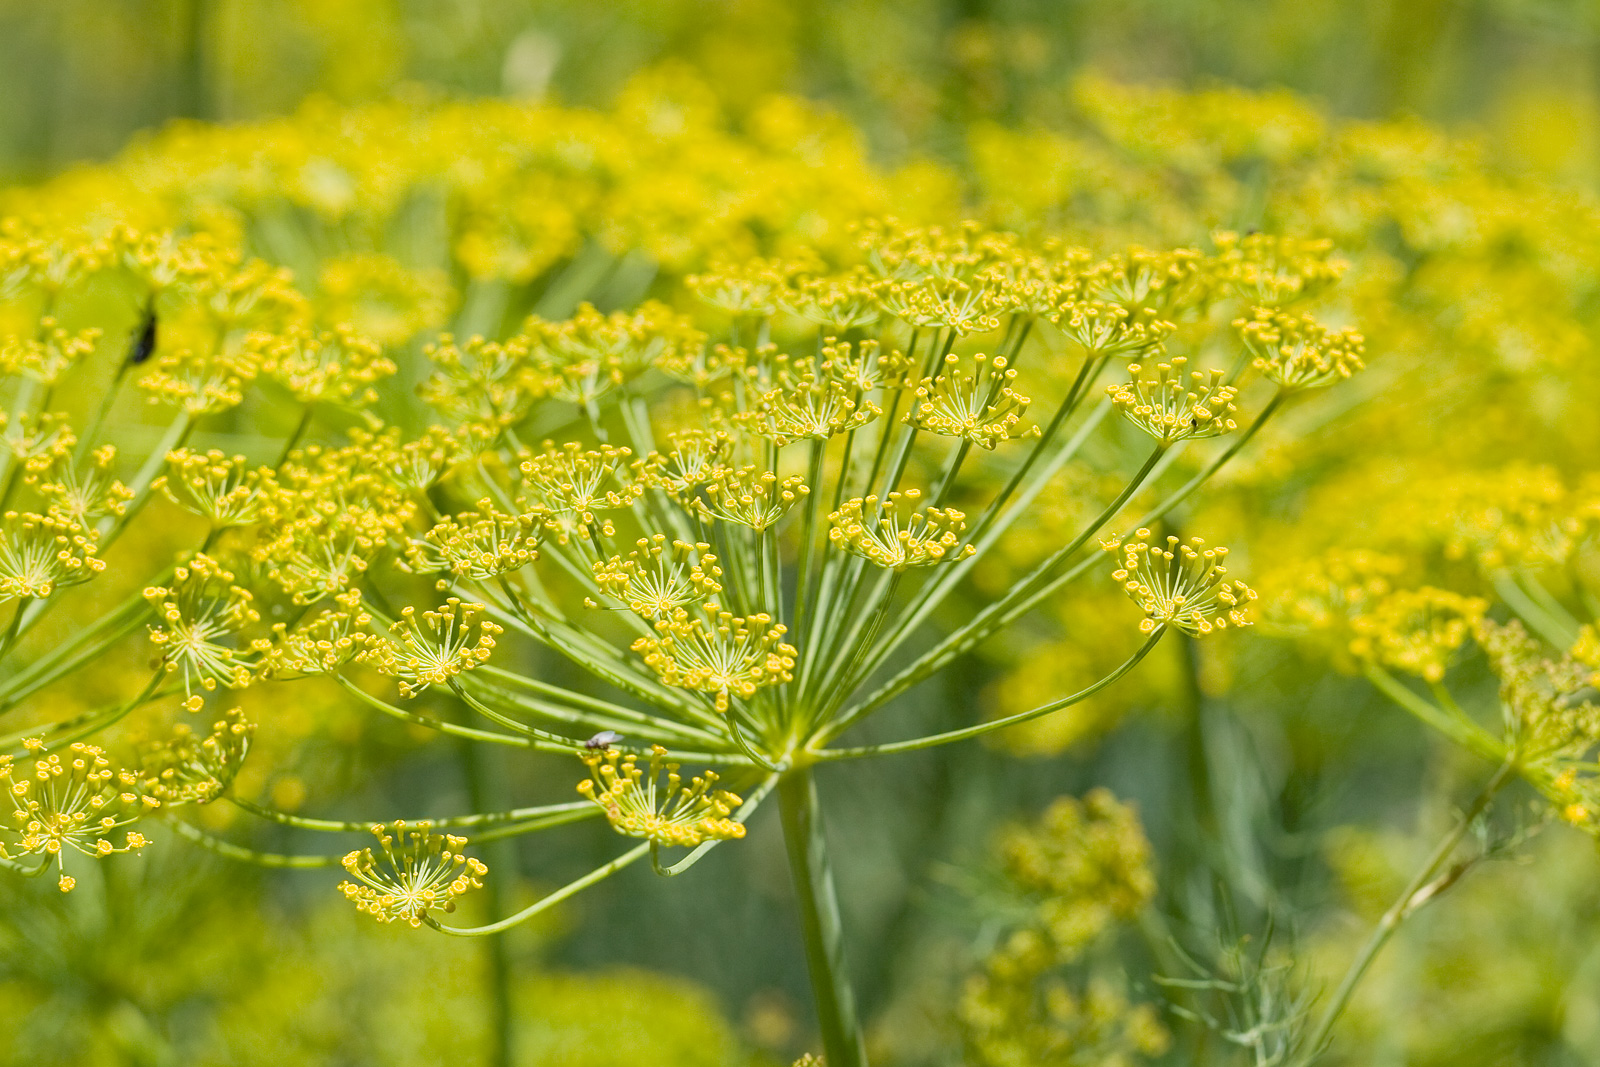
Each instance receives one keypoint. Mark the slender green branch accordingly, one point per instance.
(248, 855)
(1410, 899)
(494, 818)
(1458, 729)
(599, 874)
(992, 725)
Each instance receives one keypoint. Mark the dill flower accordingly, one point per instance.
(656, 579)
(200, 384)
(42, 553)
(188, 769)
(895, 534)
(476, 545)
(1105, 329)
(335, 366)
(47, 357)
(979, 405)
(84, 493)
(837, 303)
(1297, 352)
(446, 642)
(1272, 270)
(695, 459)
(753, 287)
(219, 488)
(591, 353)
(324, 644)
(750, 497)
(415, 871)
(199, 616)
(74, 803)
(721, 654)
(676, 815)
(1163, 408)
(572, 481)
(1183, 584)
(809, 406)
(36, 442)
(481, 381)
(1416, 630)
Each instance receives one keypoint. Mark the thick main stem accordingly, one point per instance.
(819, 920)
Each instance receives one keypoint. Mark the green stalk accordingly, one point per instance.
(1410, 899)
(486, 790)
(842, 1042)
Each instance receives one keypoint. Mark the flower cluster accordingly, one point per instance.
(674, 813)
(414, 872)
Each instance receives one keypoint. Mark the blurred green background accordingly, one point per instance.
(177, 960)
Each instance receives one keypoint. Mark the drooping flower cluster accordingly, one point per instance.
(671, 813)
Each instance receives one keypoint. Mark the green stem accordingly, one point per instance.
(1412, 897)
(638, 852)
(992, 725)
(820, 923)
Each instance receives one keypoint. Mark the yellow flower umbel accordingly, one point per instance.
(188, 769)
(1416, 630)
(656, 579)
(198, 615)
(335, 366)
(1297, 352)
(200, 384)
(41, 553)
(976, 405)
(321, 645)
(84, 493)
(573, 482)
(219, 488)
(74, 803)
(1182, 584)
(418, 871)
(810, 405)
(721, 654)
(434, 650)
(677, 815)
(475, 545)
(1105, 329)
(1170, 412)
(896, 535)
(751, 497)
(49, 355)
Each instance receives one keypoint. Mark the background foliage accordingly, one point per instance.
(1447, 149)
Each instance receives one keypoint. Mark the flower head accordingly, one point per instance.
(42, 553)
(433, 650)
(977, 405)
(676, 815)
(220, 488)
(750, 496)
(572, 481)
(656, 579)
(1168, 410)
(414, 871)
(74, 800)
(188, 769)
(199, 618)
(1416, 630)
(720, 653)
(1181, 584)
(476, 545)
(1297, 352)
(894, 534)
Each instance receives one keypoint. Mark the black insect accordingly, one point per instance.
(603, 739)
(144, 339)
